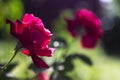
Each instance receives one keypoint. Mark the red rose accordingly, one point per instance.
(34, 37)
(90, 23)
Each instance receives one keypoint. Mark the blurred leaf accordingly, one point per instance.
(68, 65)
(4, 74)
(22, 72)
(82, 57)
(6, 50)
(56, 76)
(35, 69)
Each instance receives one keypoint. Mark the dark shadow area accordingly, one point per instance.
(111, 39)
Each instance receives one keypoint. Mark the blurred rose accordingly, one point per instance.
(91, 24)
(43, 76)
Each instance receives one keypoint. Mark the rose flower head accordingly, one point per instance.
(34, 37)
(90, 23)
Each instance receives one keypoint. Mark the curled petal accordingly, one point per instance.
(26, 52)
(12, 27)
(46, 52)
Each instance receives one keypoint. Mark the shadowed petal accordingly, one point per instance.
(89, 41)
(71, 27)
(38, 61)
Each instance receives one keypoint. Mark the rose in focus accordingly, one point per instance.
(91, 24)
(34, 37)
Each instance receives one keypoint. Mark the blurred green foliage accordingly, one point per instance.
(9, 9)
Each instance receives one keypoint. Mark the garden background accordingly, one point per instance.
(70, 61)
